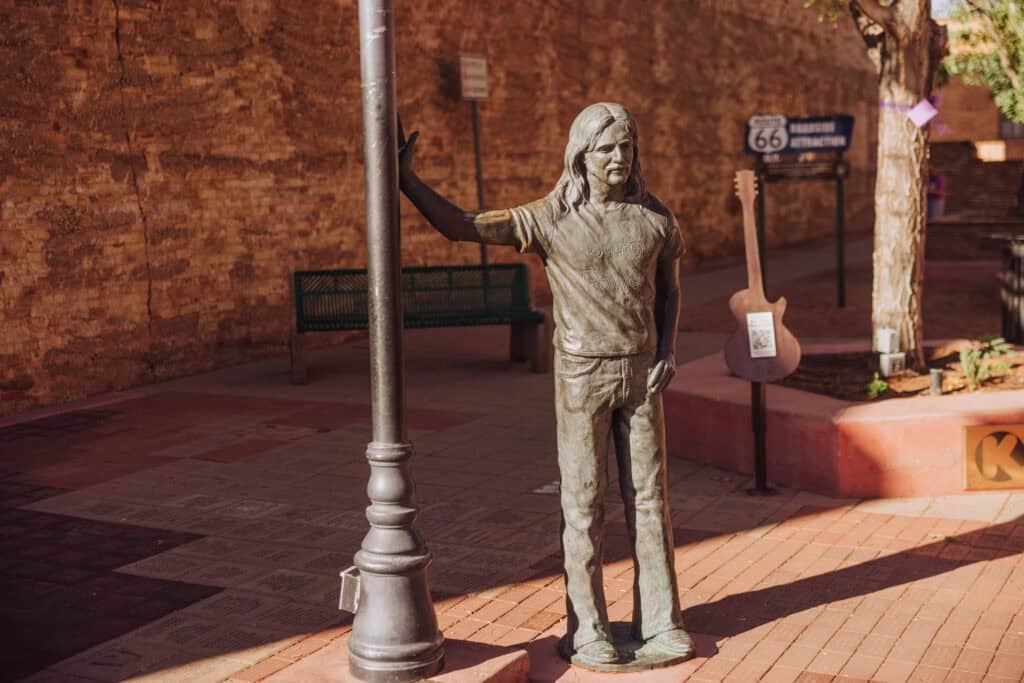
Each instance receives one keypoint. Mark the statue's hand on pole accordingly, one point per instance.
(447, 218)
(406, 147)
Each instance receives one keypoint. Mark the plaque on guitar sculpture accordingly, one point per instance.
(761, 349)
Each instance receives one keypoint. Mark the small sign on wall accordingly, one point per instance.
(993, 457)
(473, 75)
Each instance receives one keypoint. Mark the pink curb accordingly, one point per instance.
(895, 448)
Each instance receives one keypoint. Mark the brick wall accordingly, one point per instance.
(974, 186)
(966, 112)
(164, 166)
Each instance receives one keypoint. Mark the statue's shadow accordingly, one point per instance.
(636, 655)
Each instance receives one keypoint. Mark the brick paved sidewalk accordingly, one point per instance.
(194, 531)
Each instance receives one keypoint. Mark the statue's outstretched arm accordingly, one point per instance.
(493, 227)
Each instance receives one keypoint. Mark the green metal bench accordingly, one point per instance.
(432, 296)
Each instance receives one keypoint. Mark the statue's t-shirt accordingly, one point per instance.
(602, 264)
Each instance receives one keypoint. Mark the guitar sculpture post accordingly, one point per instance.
(762, 349)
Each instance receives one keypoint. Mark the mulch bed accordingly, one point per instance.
(846, 375)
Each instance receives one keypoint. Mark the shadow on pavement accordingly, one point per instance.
(735, 614)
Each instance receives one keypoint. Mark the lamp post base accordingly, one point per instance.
(396, 672)
(394, 632)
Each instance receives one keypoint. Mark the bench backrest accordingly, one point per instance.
(431, 296)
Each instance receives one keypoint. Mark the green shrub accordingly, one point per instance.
(877, 387)
(978, 361)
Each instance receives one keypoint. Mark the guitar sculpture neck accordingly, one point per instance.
(754, 280)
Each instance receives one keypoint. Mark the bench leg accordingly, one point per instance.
(519, 342)
(298, 362)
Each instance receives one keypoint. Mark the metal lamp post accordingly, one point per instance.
(394, 634)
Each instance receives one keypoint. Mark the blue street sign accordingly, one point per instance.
(777, 134)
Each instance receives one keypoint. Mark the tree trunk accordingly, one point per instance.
(900, 211)
(905, 46)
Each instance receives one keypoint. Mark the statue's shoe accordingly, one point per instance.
(598, 653)
(674, 643)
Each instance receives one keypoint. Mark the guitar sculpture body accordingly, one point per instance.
(761, 349)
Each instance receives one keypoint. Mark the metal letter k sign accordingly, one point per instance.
(993, 457)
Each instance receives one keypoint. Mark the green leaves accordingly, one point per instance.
(877, 387)
(829, 9)
(978, 361)
(987, 48)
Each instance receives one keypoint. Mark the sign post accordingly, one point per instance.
(802, 149)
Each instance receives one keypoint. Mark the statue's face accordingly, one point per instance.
(611, 159)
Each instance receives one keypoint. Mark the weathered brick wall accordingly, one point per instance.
(966, 112)
(164, 166)
(974, 186)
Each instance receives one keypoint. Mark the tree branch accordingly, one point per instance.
(1000, 45)
(873, 35)
(883, 15)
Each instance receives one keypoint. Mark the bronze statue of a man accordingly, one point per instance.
(611, 252)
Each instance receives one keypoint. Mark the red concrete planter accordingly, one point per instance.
(894, 448)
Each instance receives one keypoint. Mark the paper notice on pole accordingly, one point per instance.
(761, 334)
(473, 74)
(922, 113)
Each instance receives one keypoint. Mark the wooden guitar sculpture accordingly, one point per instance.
(761, 349)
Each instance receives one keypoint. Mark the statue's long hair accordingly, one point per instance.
(572, 189)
